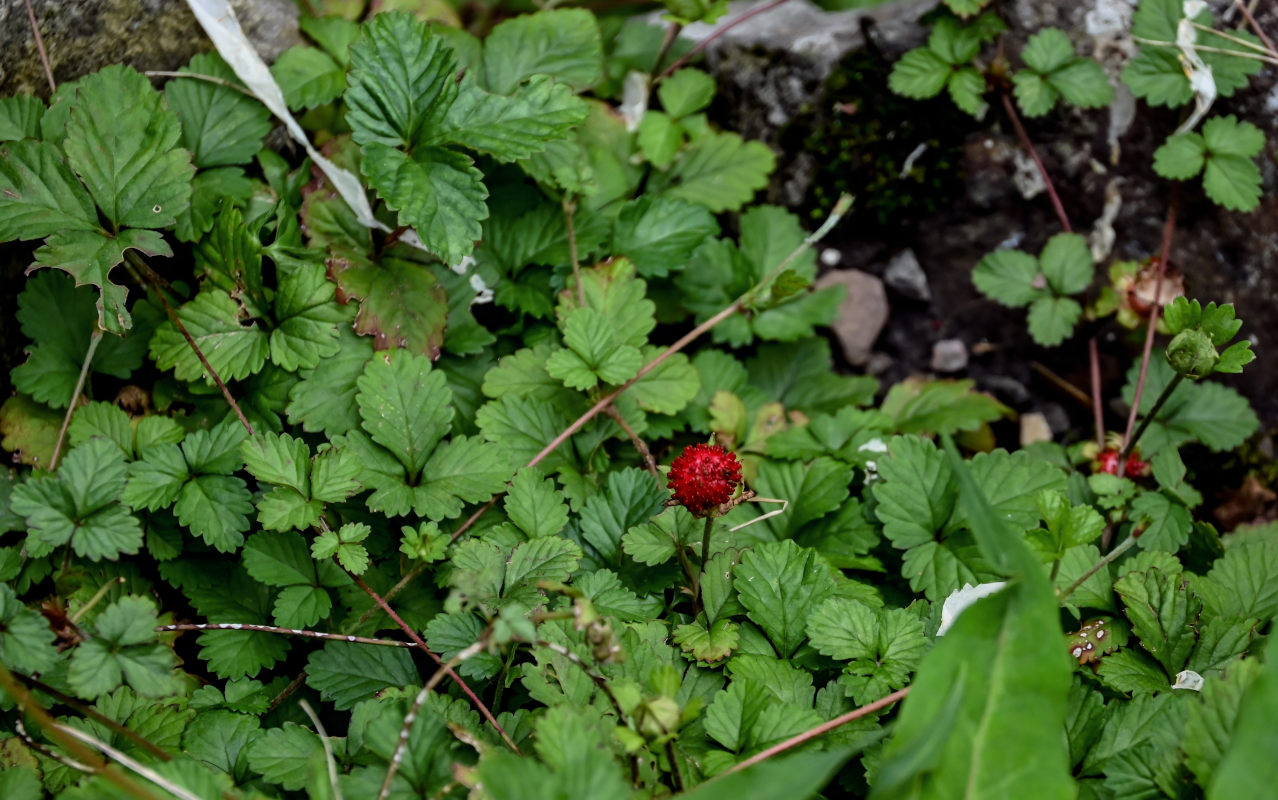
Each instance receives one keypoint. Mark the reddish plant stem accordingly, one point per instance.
(721, 30)
(39, 43)
(1154, 312)
(1098, 410)
(819, 730)
(1246, 12)
(1010, 108)
(134, 259)
(648, 461)
(421, 643)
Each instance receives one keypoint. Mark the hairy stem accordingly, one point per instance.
(94, 340)
(327, 745)
(245, 626)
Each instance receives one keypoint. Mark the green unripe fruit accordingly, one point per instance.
(1192, 354)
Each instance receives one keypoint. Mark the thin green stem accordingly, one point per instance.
(95, 599)
(1109, 558)
(705, 542)
(94, 340)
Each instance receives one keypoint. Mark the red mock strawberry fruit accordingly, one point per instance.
(1107, 461)
(704, 477)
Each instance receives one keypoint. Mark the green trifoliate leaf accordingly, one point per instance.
(401, 82)
(1054, 71)
(883, 646)
(512, 127)
(80, 505)
(564, 43)
(39, 195)
(668, 388)
(123, 649)
(966, 88)
(1244, 582)
(1008, 276)
(279, 559)
(1064, 525)
(347, 673)
(106, 420)
(1035, 95)
(1066, 263)
(281, 460)
(919, 74)
(685, 92)
(1052, 319)
(234, 350)
(593, 354)
(344, 544)
(424, 543)
(1048, 50)
(123, 143)
(612, 289)
(220, 125)
(708, 644)
(1181, 157)
(1156, 74)
(20, 117)
(659, 233)
(308, 76)
(215, 508)
(286, 755)
(1083, 83)
(535, 505)
(324, 400)
(1161, 609)
(406, 407)
(1167, 521)
(26, 640)
(307, 317)
(436, 191)
(780, 584)
(721, 172)
(658, 138)
(1231, 178)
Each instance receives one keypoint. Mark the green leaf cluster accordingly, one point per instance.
(1014, 278)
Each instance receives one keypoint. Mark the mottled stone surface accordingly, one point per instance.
(1097, 159)
(862, 314)
(84, 35)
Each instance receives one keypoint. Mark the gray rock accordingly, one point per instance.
(82, 36)
(803, 28)
(862, 314)
(949, 355)
(905, 276)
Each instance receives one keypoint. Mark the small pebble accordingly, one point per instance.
(949, 355)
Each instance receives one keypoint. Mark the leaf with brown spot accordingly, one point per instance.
(402, 304)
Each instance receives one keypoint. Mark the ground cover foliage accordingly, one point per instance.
(369, 505)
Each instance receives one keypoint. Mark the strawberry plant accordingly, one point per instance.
(489, 446)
